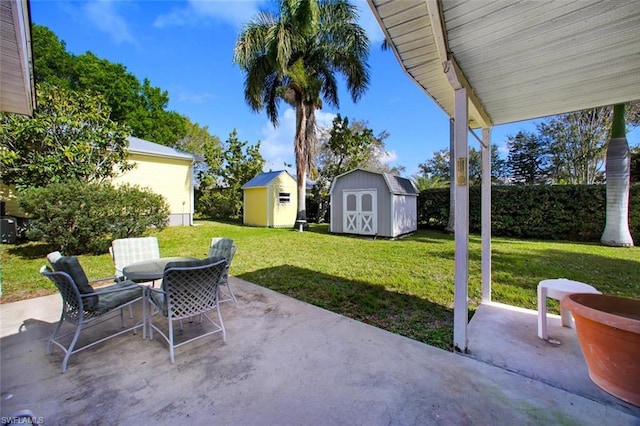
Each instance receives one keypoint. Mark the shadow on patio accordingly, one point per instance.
(285, 362)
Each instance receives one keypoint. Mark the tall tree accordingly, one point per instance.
(70, 137)
(635, 164)
(52, 62)
(344, 147)
(528, 159)
(205, 147)
(438, 166)
(221, 188)
(293, 56)
(139, 105)
(616, 231)
(577, 143)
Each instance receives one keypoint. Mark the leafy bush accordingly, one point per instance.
(76, 217)
(219, 204)
(568, 212)
(137, 210)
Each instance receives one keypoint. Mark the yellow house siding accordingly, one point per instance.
(255, 200)
(8, 195)
(169, 177)
(283, 214)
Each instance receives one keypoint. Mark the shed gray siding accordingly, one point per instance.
(395, 214)
(405, 218)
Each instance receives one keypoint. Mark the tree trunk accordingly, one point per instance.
(616, 231)
(452, 204)
(299, 149)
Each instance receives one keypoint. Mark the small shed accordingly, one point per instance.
(364, 202)
(270, 200)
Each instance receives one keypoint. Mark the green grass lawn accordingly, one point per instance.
(404, 286)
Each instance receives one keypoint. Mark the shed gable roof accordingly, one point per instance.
(397, 185)
(141, 146)
(264, 179)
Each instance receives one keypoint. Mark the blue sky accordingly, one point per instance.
(186, 48)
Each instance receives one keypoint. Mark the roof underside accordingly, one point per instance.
(17, 89)
(522, 59)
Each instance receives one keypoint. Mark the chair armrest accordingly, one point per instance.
(112, 290)
(111, 278)
(155, 290)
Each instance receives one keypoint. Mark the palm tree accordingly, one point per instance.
(616, 231)
(294, 56)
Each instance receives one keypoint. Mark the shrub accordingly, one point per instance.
(137, 211)
(77, 217)
(568, 212)
(217, 204)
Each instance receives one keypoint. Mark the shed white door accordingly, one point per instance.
(360, 212)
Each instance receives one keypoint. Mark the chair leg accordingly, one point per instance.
(233, 296)
(224, 331)
(76, 335)
(53, 336)
(171, 354)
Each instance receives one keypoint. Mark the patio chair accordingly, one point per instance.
(85, 307)
(188, 289)
(224, 247)
(125, 251)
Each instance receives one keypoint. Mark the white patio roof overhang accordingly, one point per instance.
(17, 85)
(494, 62)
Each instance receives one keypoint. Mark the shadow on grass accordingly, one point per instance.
(399, 313)
(612, 276)
(29, 250)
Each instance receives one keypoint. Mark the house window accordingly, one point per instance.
(284, 198)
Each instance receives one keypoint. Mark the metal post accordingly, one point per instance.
(460, 312)
(486, 215)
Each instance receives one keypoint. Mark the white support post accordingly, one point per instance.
(461, 278)
(486, 215)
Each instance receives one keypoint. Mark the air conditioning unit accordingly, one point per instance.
(9, 230)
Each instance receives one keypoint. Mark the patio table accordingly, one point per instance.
(150, 270)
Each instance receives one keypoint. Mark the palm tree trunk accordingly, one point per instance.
(302, 155)
(616, 231)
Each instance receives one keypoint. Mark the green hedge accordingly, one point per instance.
(566, 212)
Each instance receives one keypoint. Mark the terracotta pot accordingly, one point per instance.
(608, 329)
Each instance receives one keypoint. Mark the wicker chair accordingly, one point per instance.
(188, 289)
(85, 307)
(224, 247)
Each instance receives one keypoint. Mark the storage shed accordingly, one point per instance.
(270, 200)
(371, 203)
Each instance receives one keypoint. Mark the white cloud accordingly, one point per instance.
(197, 11)
(195, 98)
(238, 13)
(106, 18)
(389, 157)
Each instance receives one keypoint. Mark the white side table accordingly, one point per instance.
(557, 289)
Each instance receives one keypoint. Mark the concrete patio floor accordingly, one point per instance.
(288, 362)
